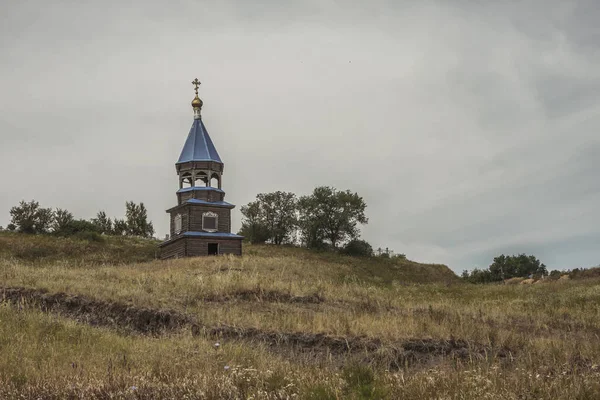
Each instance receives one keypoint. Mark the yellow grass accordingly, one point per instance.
(550, 329)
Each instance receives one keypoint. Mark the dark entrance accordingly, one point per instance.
(213, 249)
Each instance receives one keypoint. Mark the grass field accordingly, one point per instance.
(106, 320)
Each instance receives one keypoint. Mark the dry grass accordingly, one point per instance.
(549, 330)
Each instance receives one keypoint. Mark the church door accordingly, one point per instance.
(213, 249)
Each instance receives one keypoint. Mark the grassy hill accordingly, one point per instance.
(73, 251)
(100, 319)
(111, 250)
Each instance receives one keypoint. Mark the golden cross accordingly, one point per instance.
(196, 83)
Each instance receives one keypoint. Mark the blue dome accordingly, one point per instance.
(198, 145)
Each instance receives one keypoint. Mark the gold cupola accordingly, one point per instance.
(196, 103)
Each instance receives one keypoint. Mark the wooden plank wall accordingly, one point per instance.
(199, 246)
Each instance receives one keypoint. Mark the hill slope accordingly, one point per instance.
(44, 249)
(106, 320)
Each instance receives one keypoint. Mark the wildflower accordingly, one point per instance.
(226, 368)
(217, 345)
(134, 388)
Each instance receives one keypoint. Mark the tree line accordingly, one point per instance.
(30, 217)
(505, 267)
(327, 218)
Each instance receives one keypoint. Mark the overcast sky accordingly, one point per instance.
(470, 128)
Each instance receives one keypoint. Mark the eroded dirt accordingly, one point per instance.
(300, 345)
(98, 313)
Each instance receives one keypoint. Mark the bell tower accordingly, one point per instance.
(201, 220)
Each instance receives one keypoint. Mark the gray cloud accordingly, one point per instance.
(470, 129)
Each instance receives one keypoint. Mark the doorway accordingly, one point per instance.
(213, 249)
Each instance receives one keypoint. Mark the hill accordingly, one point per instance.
(100, 250)
(114, 250)
(105, 319)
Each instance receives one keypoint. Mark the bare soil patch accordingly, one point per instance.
(300, 345)
(98, 313)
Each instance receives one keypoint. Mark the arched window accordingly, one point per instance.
(201, 179)
(186, 180)
(215, 181)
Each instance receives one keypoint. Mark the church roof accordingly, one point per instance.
(201, 188)
(225, 235)
(198, 145)
(211, 203)
(220, 204)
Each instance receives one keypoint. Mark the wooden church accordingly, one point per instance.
(201, 220)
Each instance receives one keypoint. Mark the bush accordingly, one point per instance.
(76, 227)
(554, 275)
(358, 248)
(585, 273)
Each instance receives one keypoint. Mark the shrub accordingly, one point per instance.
(584, 273)
(77, 226)
(358, 248)
(554, 275)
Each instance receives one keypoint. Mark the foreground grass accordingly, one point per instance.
(550, 330)
(49, 357)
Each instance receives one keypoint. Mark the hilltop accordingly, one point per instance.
(307, 264)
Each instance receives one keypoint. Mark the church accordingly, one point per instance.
(201, 220)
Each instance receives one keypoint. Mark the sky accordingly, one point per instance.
(469, 128)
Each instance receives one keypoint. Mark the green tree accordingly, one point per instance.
(279, 215)
(253, 227)
(136, 217)
(31, 218)
(62, 219)
(311, 229)
(271, 217)
(119, 227)
(506, 267)
(103, 223)
(522, 265)
(331, 215)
